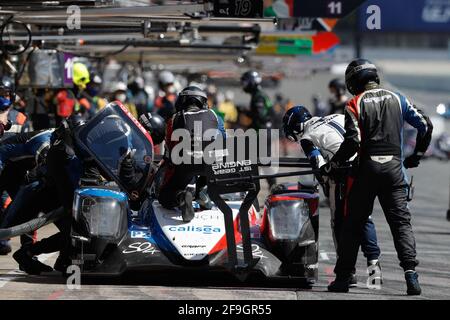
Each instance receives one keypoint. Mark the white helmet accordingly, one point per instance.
(120, 86)
(166, 77)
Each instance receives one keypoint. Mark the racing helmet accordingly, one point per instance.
(189, 96)
(80, 76)
(294, 122)
(7, 86)
(338, 85)
(75, 121)
(250, 80)
(359, 73)
(155, 125)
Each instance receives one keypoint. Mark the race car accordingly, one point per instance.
(233, 237)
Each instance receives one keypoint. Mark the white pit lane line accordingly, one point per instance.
(16, 272)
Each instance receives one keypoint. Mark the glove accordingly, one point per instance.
(412, 161)
(327, 169)
(127, 156)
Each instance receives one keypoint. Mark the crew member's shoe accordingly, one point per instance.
(339, 285)
(353, 282)
(185, 204)
(412, 283)
(30, 264)
(5, 247)
(374, 269)
(61, 264)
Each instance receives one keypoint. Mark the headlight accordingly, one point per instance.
(101, 212)
(287, 217)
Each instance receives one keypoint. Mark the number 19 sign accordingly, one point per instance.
(238, 8)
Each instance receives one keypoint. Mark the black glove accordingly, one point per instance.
(327, 169)
(412, 161)
(127, 158)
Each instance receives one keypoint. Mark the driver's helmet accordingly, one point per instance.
(155, 125)
(294, 122)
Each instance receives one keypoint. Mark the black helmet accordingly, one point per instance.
(250, 80)
(359, 73)
(189, 96)
(155, 125)
(338, 85)
(75, 121)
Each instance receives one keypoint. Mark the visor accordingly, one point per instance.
(360, 68)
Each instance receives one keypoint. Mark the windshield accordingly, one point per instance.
(113, 135)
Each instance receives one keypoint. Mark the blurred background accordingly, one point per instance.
(143, 52)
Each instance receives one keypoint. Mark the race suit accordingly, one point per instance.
(24, 146)
(262, 114)
(66, 167)
(260, 110)
(20, 154)
(374, 125)
(321, 139)
(177, 177)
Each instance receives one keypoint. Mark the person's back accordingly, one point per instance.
(327, 133)
(381, 120)
(261, 111)
(184, 163)
(374, 126)
(378, 117)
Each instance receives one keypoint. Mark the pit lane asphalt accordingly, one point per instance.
(431, 228)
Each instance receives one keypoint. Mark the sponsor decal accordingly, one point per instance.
(140, 234)
(141, 247)
(202, 229)
(198, 215)
(232, 167)
(256, 251)
(377, 99)
(194, 246)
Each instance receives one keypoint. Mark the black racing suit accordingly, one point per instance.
(262, 114)
(66, 167)
(374, 125)
(176, 176)
(261, 111)
(20, 156)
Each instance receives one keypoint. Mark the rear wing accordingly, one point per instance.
(231, 173)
